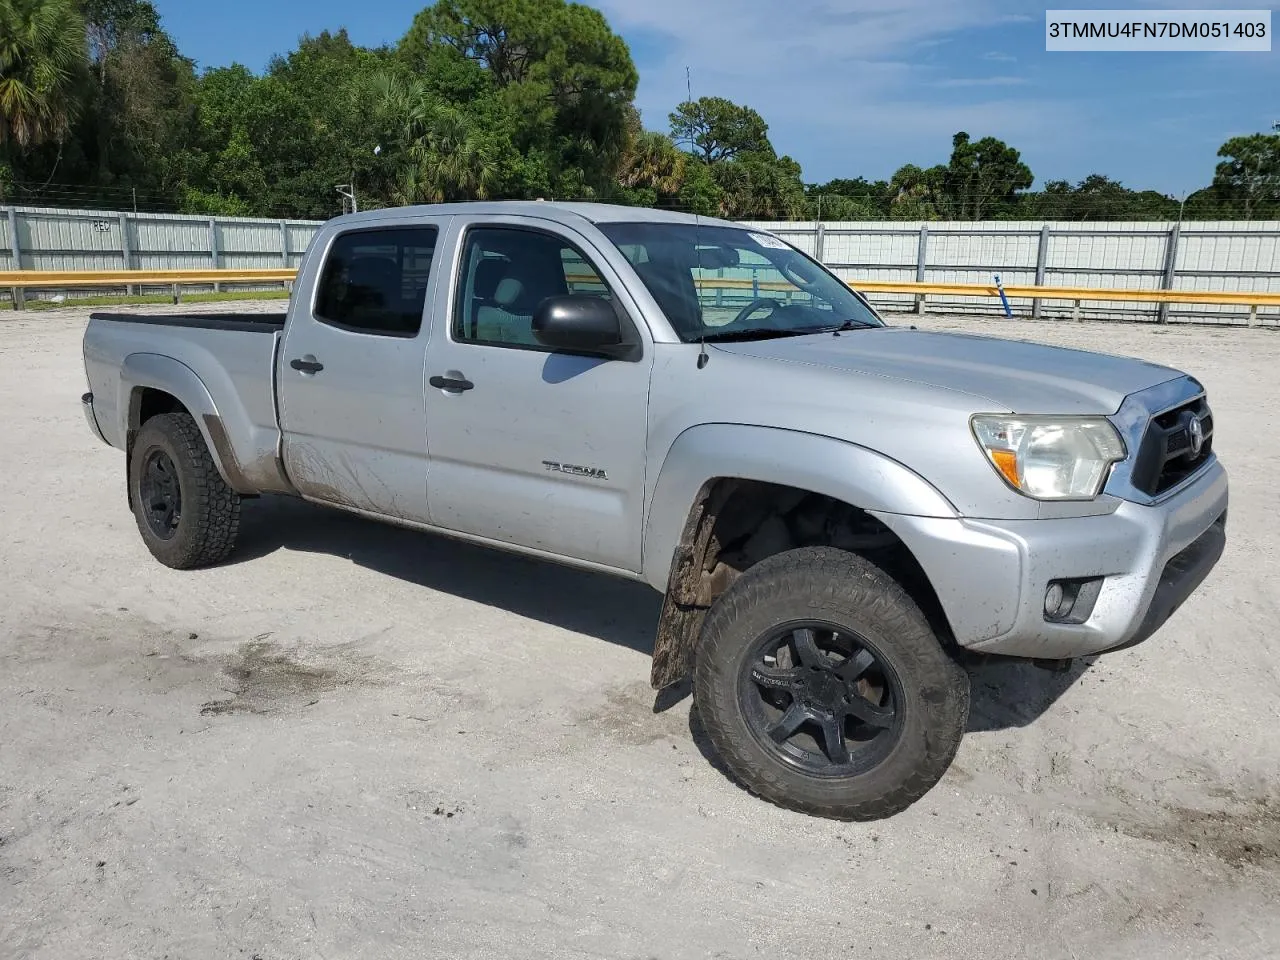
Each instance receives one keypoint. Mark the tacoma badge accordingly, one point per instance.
(591, 473)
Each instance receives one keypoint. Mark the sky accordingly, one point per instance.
(859, 87)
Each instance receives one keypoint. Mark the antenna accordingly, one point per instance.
(703, 357)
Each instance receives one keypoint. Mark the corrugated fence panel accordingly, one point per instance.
(57, 240)
(1226, 255)
(880, 248)
(300, 234)
(250, 245)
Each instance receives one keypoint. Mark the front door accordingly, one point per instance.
(351, 372)
(529, 446)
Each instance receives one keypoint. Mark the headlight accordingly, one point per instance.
(1050, 458)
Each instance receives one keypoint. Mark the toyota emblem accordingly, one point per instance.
(1196, 431)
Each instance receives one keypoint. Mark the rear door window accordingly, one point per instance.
(375, 281)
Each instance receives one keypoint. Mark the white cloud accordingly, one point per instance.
(999, 57)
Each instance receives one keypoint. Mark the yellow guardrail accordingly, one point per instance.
(80, 279)
(1222, 297)
(76, 279)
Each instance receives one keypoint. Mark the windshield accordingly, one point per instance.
(728, 283)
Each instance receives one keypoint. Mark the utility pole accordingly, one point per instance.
(348, 193)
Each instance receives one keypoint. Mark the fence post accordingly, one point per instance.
(15, 248)
(284, 244)
(125, 253)
(1170, 268)
(213, 250)
(819, 243)
(922, 254)
(1041, 255)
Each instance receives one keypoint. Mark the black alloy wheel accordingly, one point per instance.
(817, 696)
(161, 494)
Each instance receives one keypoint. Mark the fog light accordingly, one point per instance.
(1071, 600)
(1054, 599)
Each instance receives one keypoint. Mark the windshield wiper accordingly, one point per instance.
(755, 333)
(849, 325)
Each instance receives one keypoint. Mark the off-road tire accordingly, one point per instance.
(823, 583)
(210, 510)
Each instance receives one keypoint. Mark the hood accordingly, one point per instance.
(1013, 375)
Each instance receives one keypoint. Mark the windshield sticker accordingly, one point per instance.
(765, 240)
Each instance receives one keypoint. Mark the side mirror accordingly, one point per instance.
(578, 321)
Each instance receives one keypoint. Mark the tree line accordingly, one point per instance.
(480, 99)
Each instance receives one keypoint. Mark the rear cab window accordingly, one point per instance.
(374, 281)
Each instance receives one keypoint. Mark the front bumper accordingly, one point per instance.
(991, 575)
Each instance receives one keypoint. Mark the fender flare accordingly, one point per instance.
(159, 372)
(852, 474)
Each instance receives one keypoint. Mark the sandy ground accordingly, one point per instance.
(354, 741)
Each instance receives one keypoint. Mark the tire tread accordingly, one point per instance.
(206, 499)
(843, 578)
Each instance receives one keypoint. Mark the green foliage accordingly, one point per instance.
(41, 60)
(1250, 174)
(918, 194)
(982, 177)
(560, 81)
(700, 193)
(1097, 197)
(718, 129)
(845, 199)
(651, 162)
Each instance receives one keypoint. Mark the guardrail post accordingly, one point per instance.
(213, 251)
(15, 248)
(125, 253)
(284, 251)
(1170, 268)
(922, 254)
(1041, 254)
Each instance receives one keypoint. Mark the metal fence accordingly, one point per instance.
(1200, 255)
(38, 238)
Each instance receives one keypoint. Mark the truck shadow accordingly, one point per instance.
(618, 611)
(1014, 693)
(1004, 693)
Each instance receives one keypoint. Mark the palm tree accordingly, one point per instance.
(439, 154)
(42, 49)
(652, 161)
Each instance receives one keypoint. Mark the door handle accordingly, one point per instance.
(452, 384)
(306, 366)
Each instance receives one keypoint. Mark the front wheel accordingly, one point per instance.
(824, 690)
(186, 513)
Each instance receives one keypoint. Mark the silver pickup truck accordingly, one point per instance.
(834, 508)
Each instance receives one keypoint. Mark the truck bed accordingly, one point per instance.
(243, 322)
(221, 365)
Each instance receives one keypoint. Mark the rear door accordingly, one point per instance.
(351, 371)
(528, 446)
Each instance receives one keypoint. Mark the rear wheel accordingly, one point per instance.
(187, 515)
(824, 690)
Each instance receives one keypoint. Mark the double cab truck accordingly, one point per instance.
(835, 508)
